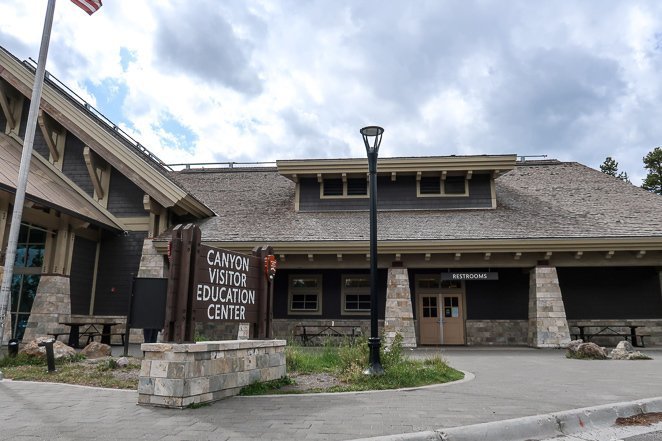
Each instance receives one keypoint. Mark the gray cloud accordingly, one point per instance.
(200, 41)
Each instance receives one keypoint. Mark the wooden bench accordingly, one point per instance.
(307, 333)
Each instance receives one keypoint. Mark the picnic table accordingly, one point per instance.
(309, 332)
(610, 330)
(89, 330)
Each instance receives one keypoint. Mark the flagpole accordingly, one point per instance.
(21, 184)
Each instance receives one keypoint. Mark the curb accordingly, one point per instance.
(535, 427)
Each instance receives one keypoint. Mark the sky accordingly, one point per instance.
(252, 81)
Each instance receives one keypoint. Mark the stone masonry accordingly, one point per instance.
(52, 304)
(548, 327)
(497, 332)
(152, 264)
(178, 375)
(399, 317)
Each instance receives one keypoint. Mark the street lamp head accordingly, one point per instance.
(372, 137)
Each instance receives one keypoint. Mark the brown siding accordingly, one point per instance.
(397, 195)
(118, 259)
(125, 199)
(82, 273)
(73, 165)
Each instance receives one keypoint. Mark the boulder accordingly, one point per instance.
(586, 351)
(60, 350)
(122, 362)
(96, 350)
(625, 351)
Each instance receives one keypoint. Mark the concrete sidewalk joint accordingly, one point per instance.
(536, 427)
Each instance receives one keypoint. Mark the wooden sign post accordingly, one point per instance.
(208, 284)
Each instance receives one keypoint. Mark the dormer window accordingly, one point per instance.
(439, 186)
(355, 187)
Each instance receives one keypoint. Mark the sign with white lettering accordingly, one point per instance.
(225, 286)
(470, 276)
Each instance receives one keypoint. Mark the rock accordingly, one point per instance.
(60, 350)
(625, 351)
(589, 351)
(636, 355)
(96, 350)
(122, 362)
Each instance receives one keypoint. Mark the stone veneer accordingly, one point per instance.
(177, 375)
(548, 327)
(399, 317)
(497, 332)
(152, 264)
(52, 304)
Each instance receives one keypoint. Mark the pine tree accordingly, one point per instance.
(653, 163)
(610, 167)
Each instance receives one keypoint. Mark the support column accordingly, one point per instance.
(51, 305)
(152, 264)
(399, 316)
(548, 327)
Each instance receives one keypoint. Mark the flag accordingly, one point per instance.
(89, 6)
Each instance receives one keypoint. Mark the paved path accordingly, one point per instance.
(509, 383)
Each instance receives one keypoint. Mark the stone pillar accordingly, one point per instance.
(399, 316)
(52, 304)
(548, 327)
(152, 264)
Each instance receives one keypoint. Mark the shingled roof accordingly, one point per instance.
(536, 200)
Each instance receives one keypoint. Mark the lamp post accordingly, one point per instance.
(372, 137)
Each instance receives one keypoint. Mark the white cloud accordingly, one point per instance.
(261, 80)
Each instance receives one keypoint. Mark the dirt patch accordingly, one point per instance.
(312, 382)
(644, 419)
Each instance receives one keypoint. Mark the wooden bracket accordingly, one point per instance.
(5, 105)
(458, 256)
(609, 254)
(95, 169)
(488, 256)
(51, 133)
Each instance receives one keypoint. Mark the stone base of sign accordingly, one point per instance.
(548, 327)
(497, 332)
(178, 375)
(52, 304)
(399, 318)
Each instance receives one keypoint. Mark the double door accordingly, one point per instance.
(441, 318)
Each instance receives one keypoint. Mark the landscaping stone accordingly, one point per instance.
(579, 349)
(96, 350)
(122, 362)
(60, 350)
(625, 351)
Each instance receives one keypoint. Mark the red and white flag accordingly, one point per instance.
(89, 6)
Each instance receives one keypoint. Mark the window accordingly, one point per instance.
(355, 294)
(305, 295)
(435, 186)
(27, 272)
(344, 188)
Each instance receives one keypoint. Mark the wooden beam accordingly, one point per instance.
(469, 174)
(609, 254)
(517, 256)
(367, 257)
(91, 163)
(50, 134)
(281, 257)
(548, 254)
(443, 175)
(579, 254)
(487, 256)
(310, 258)
(398, 257)
(640, 254)
(339, 257)
(393, 175)
(6, 108)
(427, 257)
(319, 177)
(458, 256)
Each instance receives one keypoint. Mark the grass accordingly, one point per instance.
(72, 371)
(347, 363)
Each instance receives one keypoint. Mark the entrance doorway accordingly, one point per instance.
(441, 316)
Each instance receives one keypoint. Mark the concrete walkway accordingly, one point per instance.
(508, 383)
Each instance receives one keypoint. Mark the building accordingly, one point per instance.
(559, 243)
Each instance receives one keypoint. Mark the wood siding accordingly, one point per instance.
(82, 273)
(125, 199)
(611, 293)
(73, 165)
(24, 118)
(3, 122)
(503, 299)
(119, 257)
(39, 144)
(397, 195)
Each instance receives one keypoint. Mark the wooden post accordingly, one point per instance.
(263, 293)
(173, 283)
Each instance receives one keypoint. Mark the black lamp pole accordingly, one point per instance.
(372, 138)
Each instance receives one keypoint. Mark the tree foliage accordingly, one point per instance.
(610, 167)
(653, 163)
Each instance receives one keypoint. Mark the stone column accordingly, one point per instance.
(399, 316)
(548, 327)
(152, 264)
(52, 304)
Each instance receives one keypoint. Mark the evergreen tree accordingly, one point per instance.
(653, 163)
(610, 167)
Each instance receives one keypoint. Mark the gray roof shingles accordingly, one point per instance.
(536, 200)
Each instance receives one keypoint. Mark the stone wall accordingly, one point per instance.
(497, 332)
(152, 264)
(548, 327)
(650, 327)
(52, 304)
(177, 375)
(399, 317)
